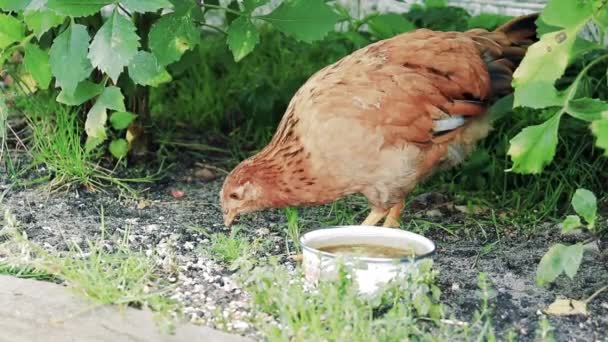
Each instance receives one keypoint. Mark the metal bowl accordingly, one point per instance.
(370, 273)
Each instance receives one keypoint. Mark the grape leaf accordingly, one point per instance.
(85, 91)
(36, 62)
(77, 8)
(11, 30)
(146, 5)
(585, 204)
(114, 45)
(538, 95)
(571, 223)
(534, 146)
(95, 122)
(119, 148)
(579, 12)
(68, 57)
(551, 264)
(111, 98)
(571, 259)
(251, 5)
(121, 120)
(40, 21)
(171, 36)
(306, 20)
(600, 129)
(587, 109)
(144, 69)
(546, 60)
(14, 5)
(389, 25)
(242, 37)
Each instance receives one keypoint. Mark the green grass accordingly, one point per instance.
(56, 143)
(230, 249)
(407, 309)
(123, 276)
(292, 230)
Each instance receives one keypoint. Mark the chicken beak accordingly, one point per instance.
(229, 218)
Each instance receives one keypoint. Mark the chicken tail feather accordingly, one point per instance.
(504, 48)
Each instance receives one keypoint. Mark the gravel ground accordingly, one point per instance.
(162, 225)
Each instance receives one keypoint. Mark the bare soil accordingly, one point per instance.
(164, 227)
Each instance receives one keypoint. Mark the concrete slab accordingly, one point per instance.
(32, 311)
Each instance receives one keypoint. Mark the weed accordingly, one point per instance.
(121, 277)
(26, 272)
(293, 229)
(57, 145)
(230, 249)
(406, 309)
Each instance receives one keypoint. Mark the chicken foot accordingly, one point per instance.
(392, 216)
(393, 219)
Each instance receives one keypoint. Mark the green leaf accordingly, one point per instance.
(37, 64)
(242, 37)
(534, 146)
(144, 69)
(112, 98)
(146, 5)
(96, 121)
(435, 3)
(114, 45)
(587, 109)
(306, 20)
(14, 5)
(585, 204)
(538, 95)
(171, 36)
(119, 148)
(388, 25)
(77, 8)
(92, 142)
(121, 120)
(11, 30)
(578, 13)
(68, 57)
(41, 21)
(546, 60)
(571, 259)
(571, 223)
(251, 5)
(551, 264)
(85, 91)
(600, 130)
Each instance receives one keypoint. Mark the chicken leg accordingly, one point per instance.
(374, 216)
(393, 219)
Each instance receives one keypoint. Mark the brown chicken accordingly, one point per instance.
(380, 120)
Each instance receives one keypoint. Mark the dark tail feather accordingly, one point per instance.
(504, 48)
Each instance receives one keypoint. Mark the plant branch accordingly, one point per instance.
(595, 294)
(226, 9)
(216, 28)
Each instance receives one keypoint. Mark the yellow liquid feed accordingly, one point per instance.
(369, 251)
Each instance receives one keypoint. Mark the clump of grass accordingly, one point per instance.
(26, 272)
(293, 229)
(57, 144)
(121, 277)
(232, 249)
(407, 309)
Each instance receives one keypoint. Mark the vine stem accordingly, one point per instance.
(596, 293)
(222, 8)
(572, 91)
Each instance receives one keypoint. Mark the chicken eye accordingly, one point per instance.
(234, 196)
